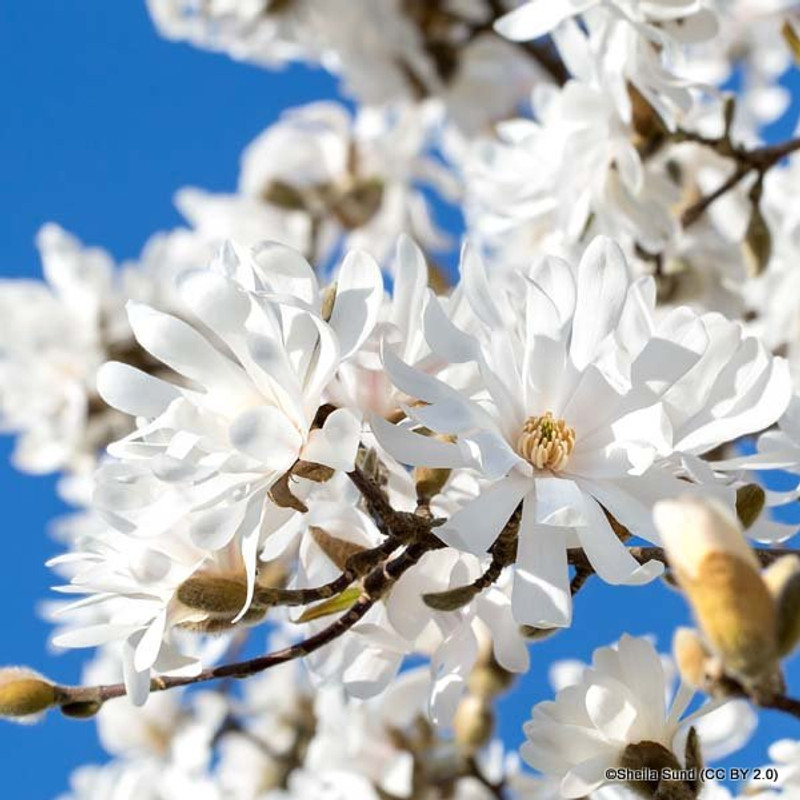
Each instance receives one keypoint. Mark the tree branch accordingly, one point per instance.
(402, 529)
(759, 160)
(376, 584)
(782, 703)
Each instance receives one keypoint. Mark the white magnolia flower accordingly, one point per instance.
(131, 587)
(575, 166)
(748, 31)
(624, 41)
(320, 175)
(581, 403)
(621, 700)
(256, 373)
(362, 382)
(386, 52)
(265, 31)
(54, 337)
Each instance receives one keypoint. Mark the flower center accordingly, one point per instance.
(546, 442)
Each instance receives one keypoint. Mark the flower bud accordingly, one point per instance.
(757, 243)
(473, 723)
(489, 680)
(213, 623)
(750, 500)
(650, 760)
(429, 482)
(451, 599)
(783, 580)
(721, 578)
(339, 551)
(24, 694)
(691, 656)
(213, 594)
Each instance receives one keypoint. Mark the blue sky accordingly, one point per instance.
(103, 122)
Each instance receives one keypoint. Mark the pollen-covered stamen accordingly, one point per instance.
(546, 442)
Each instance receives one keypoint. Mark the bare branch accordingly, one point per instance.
(759, 160)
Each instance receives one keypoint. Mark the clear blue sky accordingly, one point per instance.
(103, 121)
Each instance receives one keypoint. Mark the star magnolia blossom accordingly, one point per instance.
(256, 369)
(319, 175)
(571, 169)
(579, 398)
(131, 587)
(619, 701)
(53, 339)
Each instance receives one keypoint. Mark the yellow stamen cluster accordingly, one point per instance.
(546, 442)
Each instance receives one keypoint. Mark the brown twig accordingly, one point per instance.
(781, 702)
(376, 584)
(412, 532)
(759, 160)
(578, 580)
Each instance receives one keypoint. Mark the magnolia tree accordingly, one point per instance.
(370, 503)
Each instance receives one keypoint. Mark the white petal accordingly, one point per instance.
(267, 435)
(413, 448)
(608, 555)
(336, 443)
(479, 292)
(150, 643)
(285, 271)
(251, 536)
(213, 529)
(359, 292)
(610, 711)
(444, 338)
(559, 502)
(137, 682)
(178, 345)
(491, 454)
(587, 776)
(510, 648)
(93, 635)
(602, 288)
(726, 729)
(410, 285)
(215, 300)
(537, 18)
(371, 671)
(451, 664)
(134, 392)
(474, 527)
(540, 595)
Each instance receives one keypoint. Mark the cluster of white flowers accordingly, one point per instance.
(285, 414)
